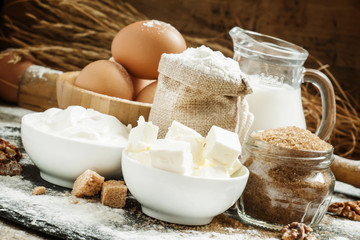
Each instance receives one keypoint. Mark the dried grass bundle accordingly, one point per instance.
(68, 34)
(345, 137)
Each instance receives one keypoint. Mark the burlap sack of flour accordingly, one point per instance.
(201, 88)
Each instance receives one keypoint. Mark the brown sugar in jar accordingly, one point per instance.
(290, 178)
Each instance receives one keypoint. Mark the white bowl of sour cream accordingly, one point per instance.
(181, 199)
(65, 143)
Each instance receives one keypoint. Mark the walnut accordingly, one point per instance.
(347, 209)
(9, 152)
(10, 168)
(297, 231)
(3, 157)
(9, 158)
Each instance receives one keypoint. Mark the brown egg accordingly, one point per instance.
(12, 67)
(139, 84)
(106, 77)
(147, 94)
(138, 46)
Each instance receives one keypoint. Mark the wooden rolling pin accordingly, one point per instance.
(346, 170)
(29, 85)
(37, 88)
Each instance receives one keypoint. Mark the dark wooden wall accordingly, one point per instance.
(328, 29)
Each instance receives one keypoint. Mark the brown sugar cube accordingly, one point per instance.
(87, 184)
(113, 194)
(39, 190)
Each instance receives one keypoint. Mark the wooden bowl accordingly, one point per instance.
(125, 110)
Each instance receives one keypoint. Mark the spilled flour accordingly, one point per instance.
(65, 212)
(67, 217)
(63, 215)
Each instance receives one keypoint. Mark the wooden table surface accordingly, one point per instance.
(331, 227)
(9, 231)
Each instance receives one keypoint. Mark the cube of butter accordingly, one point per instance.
(142, 157)
(178, 131)
(142, 136)
(236, 165)
(209, 171)
(222, 145)
(172, 155)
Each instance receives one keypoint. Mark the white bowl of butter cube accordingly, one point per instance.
(184, 178)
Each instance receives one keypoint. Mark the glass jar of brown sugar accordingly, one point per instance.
(290, 178)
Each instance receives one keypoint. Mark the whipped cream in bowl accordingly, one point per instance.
(65, 143)
(184, 178)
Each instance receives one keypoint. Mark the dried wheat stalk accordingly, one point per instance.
(345, 137)
(68, 34)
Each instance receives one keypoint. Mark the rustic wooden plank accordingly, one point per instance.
(59, 215)
(329, 30)
(11, 231)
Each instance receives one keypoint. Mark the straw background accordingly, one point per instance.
(68, 34)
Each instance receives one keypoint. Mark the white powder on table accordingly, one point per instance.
(10, 115)
(92, 219)
(55, 208)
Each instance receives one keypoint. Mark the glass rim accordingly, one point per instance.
(297, 53)
(282, 153)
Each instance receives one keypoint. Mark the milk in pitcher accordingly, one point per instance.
(273, 98)
(276, 72)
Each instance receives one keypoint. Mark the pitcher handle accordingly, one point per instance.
(322, 82)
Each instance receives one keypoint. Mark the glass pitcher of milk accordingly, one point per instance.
(275, 71)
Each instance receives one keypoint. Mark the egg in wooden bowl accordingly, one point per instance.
(115, 86)
(127, 111)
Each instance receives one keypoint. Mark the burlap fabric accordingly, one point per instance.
(198, 99)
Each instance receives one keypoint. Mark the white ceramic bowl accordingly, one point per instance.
(61, 160)
(181, 199)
